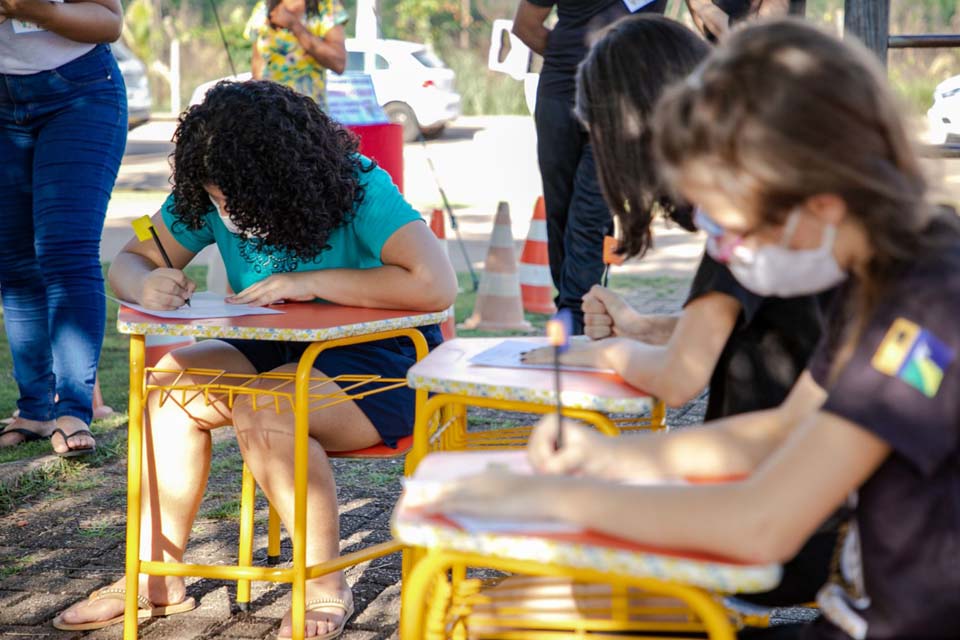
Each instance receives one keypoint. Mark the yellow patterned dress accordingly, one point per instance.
(285, 60)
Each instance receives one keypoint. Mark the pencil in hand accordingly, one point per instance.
(144, 230)
(559, 329)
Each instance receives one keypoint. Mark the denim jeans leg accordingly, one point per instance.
(21, 284)
(588, 220)
(78, 153)
(560, 140)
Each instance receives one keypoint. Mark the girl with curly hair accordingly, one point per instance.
(297, 214)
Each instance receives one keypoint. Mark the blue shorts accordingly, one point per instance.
(390, 412)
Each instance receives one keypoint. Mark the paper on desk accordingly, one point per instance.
(508, 353)
(204, 304)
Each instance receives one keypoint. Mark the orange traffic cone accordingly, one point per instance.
(536, 284)
(439, 228)
(159, 346)
(498, 301)
(100, 410)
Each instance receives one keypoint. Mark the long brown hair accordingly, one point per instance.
(618, 84)
(783, 111)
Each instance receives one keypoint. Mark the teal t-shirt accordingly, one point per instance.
(354, 245)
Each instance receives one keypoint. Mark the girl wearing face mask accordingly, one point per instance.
(806, 178)
(748, 347)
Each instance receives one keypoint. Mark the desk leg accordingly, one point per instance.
(134, 463)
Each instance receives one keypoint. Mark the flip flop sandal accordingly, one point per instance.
(71, 452)
(28, 435)
(323, 603)
(147, 610)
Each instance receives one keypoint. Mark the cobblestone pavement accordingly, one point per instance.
(57, 548)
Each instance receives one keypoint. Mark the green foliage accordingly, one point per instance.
(483, 91)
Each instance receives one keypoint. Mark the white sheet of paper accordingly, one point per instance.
(204, 304)
(635, 5)
(526, 527)
(507, 354)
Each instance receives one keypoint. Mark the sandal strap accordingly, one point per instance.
(327, 601)
(119, 593)
(66, 438)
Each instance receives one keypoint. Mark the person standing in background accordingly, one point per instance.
(715, 17)
(296, 41)
(63, 129)
(577, 217)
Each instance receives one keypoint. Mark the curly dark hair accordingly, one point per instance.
(289, 173)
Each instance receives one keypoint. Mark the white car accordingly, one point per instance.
(944, 116)
(135, 78)
(414, 87)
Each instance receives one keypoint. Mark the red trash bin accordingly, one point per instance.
(383, 143)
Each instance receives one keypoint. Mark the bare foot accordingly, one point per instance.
(9, 437)
(321, 620)
(65, 444)
(160, 591)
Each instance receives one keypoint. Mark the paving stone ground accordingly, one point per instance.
(57, 548)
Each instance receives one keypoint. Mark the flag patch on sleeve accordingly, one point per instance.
(914, 355)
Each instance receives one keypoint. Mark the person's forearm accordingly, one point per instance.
(732, 447)
(535, 37)
(126, 275)
(653, 329)
(329, 56)
(733, 521)
(88, 22)
(387, 287)
(713, 18)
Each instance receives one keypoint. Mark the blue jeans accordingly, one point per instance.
(577, 216)
(62, 135)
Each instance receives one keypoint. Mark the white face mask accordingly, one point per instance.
(775, 270)
(225, 219)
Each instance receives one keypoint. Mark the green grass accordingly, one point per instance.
(13, 566)
(229, 510)
(102, 531)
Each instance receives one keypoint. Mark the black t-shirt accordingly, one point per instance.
(568, 42)
(899, 570)
(768, 349)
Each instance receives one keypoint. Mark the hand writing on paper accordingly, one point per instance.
(500, 494)
(277, 288)
(584, 451)
(166, 288)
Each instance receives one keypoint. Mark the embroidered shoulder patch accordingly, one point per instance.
(914, 355)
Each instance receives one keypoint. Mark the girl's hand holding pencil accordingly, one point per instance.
(166, 288)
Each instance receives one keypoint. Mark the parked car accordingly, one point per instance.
(138, 89)
(414, 87)
(944, 116)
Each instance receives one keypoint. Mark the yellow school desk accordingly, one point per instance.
(624, 586)
(456, 384)
(324, 326)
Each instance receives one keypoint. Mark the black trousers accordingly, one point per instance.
(577, 216)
